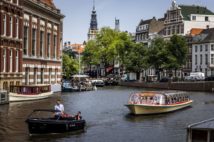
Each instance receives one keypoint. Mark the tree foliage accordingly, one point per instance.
(69, 65)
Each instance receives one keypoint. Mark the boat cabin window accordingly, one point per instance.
(199, 136)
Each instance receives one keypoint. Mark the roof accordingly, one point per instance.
(143, 22)
(187, 10)
(206, 124)
(195, 31)
(79, 48)
(206, 36)
(48, 2)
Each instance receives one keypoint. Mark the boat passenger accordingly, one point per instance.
(78, 116)
(59, 107)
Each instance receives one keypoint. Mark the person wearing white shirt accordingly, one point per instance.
(59, 107)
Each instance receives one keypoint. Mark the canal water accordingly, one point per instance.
(108, 120)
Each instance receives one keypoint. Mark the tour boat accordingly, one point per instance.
(29, 92)
(42, 121)
(157, 102)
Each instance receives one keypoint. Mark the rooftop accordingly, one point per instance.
(187, 10)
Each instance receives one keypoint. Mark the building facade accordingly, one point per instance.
(42, 42)
(147, 30)
(11, 25)
(203, 52)
(93, 29)
(180, 19)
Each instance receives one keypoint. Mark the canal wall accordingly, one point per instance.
(184, 86)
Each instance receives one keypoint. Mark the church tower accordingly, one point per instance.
(117, 24)
(93, 25)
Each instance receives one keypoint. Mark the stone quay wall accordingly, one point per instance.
(184, 86)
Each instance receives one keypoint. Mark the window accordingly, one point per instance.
(11, 26)
(201, 59)
(178, 29)
(212, 47)
(206, 59)
(212, 59)
(206, 18)
(17, 60)
(25, 40)
(34, 42)
(4, 60)
(4, 25)
(11, 60)
(41, 43)
(196, 60)
(193, 18)
(196, 48)
(17, 27)
(206, 47)
(54, 46)
(201, 48)
(48, 44)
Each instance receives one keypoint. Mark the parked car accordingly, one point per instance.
(195, 76)
(98, 82)
(209, 78)
(164, 79)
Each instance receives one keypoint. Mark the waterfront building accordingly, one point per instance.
(180, 19)
(73, 49)
(93, 29)
(147, 30)
(11, 21)
(203, 52)
(187, 68)
(42, 42)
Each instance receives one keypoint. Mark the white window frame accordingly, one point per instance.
(212, 59)
(27, 40)
(11, 26)
(4, 59)
(17, 60)
(55, 45)
(5, 25)
(34, 43)
(11, 60)
(17, 28)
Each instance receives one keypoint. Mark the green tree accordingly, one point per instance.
(69, 66)
(158, 55)
(136, 60)
(177, 47)
(91, 54)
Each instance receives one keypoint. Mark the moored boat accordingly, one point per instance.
(41, 121)
(29, 92)
(153, 102)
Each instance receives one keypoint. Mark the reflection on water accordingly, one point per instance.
(107, 118)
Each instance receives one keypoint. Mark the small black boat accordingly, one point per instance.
(41, 123)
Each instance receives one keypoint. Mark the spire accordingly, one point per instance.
(93, 5)
(93, 24)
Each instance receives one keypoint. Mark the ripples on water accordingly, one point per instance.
(107, 118)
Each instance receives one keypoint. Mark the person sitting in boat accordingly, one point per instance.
(59, 107)
(78, 116)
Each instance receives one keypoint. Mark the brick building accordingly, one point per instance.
(42, 42)
(11, 25)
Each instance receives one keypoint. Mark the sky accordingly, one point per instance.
(129, 12)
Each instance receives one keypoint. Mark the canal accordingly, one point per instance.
(108, 120)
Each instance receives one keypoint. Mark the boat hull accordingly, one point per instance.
(54, 126)
(14, 97)
(156, 109)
